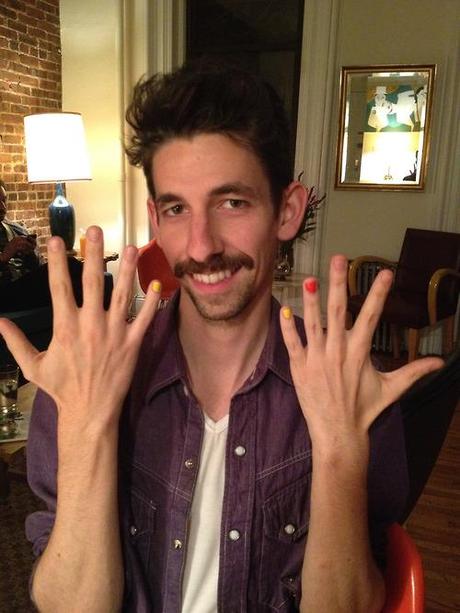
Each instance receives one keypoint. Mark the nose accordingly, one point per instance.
(204, 238)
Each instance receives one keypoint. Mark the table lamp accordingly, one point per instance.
(56, 152)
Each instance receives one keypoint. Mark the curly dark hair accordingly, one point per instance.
(210, 97)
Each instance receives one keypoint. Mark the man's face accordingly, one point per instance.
(215, 222)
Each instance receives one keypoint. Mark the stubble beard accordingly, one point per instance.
(222, 308)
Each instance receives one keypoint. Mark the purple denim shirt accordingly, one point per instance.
(267, 479)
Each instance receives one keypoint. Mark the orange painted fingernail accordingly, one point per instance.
(286, 312)
(311, 285)
(155, 286)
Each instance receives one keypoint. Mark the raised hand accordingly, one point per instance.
(89, 363)
(339, 390)
(340, 394)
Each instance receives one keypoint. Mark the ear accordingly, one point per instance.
(153, 217)
(292, 210)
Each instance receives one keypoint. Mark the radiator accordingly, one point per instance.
(381, 340)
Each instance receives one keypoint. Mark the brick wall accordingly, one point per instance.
(30, 82)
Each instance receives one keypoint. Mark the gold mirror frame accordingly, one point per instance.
(384, 127)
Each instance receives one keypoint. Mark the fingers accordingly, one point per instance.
(337, 301)
(93, 270)
(290, 334)
(59, 282)
(123, 292)
(23, 351)
(403, 378)
(371, 310)
(312, 312)
(149, 308)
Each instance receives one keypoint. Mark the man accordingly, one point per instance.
(17, 247)
(23, 280)
(236, 475)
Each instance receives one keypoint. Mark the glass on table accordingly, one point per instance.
(8, 428)
(9, 379)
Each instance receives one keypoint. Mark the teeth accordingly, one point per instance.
(214, 277)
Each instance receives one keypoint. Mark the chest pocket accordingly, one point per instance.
(285, 526)
(140, 526)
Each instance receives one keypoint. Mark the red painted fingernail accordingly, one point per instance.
(311, 285)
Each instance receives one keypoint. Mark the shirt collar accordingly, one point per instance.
(162, 343)
(274, 356)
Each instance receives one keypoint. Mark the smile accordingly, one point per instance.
(213, 278)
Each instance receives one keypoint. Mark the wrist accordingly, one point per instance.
(342, 454)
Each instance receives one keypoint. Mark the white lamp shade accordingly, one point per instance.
(56, 148)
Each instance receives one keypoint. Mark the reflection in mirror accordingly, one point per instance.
(384, 127)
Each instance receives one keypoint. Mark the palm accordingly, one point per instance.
(338, 387)
(90, 360)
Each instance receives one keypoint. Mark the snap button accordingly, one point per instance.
(133, 530)
(177, 544)
(289, 529)
(240, 450)
(234, 535)
(189, 463)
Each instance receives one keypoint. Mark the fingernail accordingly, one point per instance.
(286, 312)
(93, 233)
(155, 286)
(130, 253)
(311, 285)
(54, 244)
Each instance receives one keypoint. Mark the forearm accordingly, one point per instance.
(81, 568)
(339, 573)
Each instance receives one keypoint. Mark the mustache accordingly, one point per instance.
(214, 263)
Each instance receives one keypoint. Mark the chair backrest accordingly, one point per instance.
(152, 264)
(422, 253)
(404, 580)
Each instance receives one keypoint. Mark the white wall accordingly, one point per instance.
(91, 36)
(398, 32)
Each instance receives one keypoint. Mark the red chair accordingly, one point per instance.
(152, 264)
(404, 581)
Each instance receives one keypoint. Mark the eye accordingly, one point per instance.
(174, 210)
(234, 203)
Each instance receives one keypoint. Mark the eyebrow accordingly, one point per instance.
(238, 188)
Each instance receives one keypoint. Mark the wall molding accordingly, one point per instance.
(316, 97)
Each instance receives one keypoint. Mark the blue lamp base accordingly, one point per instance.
(62, 219)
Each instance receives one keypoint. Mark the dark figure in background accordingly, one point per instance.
(23, 280)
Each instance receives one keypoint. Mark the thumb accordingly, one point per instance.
(23, 351)
(403, 378)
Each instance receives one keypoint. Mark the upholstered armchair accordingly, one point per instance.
(425, 289)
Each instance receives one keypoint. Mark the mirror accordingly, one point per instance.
(384, 127)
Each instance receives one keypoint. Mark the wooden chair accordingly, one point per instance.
(152, 264)
(404, 580)
(425, 289)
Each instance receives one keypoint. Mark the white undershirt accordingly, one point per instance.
(199, 592)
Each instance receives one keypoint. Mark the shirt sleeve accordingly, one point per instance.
(42, 469)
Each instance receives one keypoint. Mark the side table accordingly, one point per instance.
(26, 396)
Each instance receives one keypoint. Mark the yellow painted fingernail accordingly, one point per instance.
(156, 286)
(286, 312)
